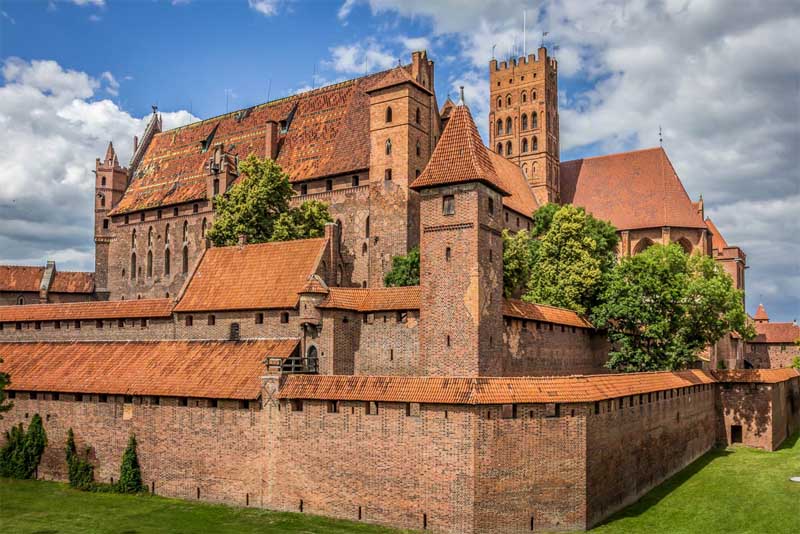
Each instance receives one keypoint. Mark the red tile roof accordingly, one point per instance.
(460, 156)
(328, 134)
(115, 309)
(761, 314)
(315, 284)
(20, 278)
(764, 376)
(776, 333)
(638, 189)
(266, 275)
(72, 282)
(717, 240)
(521, 198)
(541, 312)
(373, 299)
(459, 390)
(205, 369)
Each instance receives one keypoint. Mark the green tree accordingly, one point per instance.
(258, 207)
(80, 471)
(130, 475)
(570, 256)
(796, 361)
(519, 251)
(5, 380)
(22, 452)
(405, 270)
(662, 307)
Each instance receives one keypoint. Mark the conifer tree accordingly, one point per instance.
(130, 475)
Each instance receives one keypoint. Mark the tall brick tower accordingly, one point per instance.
(110, 183)
(401, 121)
(523, 119)
(461, 255)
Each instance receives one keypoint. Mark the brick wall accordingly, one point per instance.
(181, 448)
(771, 355)
(132, 329)
(249, 327)
(388, 344)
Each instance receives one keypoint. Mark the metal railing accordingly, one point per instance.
(293, 365)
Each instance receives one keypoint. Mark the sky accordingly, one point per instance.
(719, 77)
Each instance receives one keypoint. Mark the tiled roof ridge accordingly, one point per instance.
(270, 243)
(542, 305)
(22, 266)
(613, 154)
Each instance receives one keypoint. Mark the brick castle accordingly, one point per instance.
(284, 375)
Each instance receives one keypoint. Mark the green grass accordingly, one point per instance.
(735, 490)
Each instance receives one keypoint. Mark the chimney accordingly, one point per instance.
(271, 140)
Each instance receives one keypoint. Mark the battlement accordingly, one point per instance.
(524, 61)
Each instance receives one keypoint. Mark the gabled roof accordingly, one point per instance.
(327, 134)
(25, 278)
(72, 282)
(638, 189)
(102, 309)
(761, 313)
(521, 199)
(476, 391)
(249, 277)
(373, 299)
(205, 369)
(541, 312)
(717, 240)
(460, 156)
(447, 108)
(776, 333)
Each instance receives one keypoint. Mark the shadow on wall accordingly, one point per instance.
(745, 405)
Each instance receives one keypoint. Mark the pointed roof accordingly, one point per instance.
(447, 108)
(638, 189)
(717, 240)
(761, 314)
(460, 156)
(111, 156)
(315, 285)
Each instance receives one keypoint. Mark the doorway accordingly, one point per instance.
(736, 433)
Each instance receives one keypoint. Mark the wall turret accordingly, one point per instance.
(111, 180)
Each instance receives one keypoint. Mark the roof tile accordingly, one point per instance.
(20, 278)
(102, 309)
(544, 313)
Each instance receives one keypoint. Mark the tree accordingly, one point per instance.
(80, 471)
(5, 380)
(519, 251)
(258, 207)
(405, 270)
(662, 307)
(130, 475)
(22, 452)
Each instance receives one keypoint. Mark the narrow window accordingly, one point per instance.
(535, 144)
(185, 231)
(120, 323)
(259, 318)
(141, 217)
(389, 114)
(56, 325)
(387, 175)
(388, 147)
(419, 150)
(133, 266)
(185, 266)
(127, 219)
(195, 208)
(448, 340)
(149, 264)
(105, 224)
(285, 317)
(212, 320)
(500, 148)
(509, 126)
(143, 323)
(216, 186)
(355, 181)
(499, 101)
(333, 406)
(508, 148)
(534, 119)
(364, 249)
(524, 95)
(77, 325)
(447, 254)
(508, 100)
(524, 148)
(99, 323)
(448, 205)
(303, 189)
(524, 121)
(490, 205)
(37, 325)
(189, 320)
(174, 212)
(329, 185)
(203, 228)
(103, 181)
(166, 261)
(366, 227)
(159, 214)
(416, 116)
(499, 127)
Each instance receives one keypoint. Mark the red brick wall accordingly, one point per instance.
(388, 346)
(771, 355)
(248, 328)
(785, 410)
(155, 329)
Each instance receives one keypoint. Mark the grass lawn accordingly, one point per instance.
(736, 490)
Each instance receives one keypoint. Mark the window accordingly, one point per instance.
(448, 340)
(509, 126)
(499, 127)
(212, 320)
(105, 224)
(216, 186)
(303, 189)
(389, 114)
(120, 323)
(524, 96)
(355, 180)
(284, 317)
(149, 263)
(490, 205)
(20, 301)
(57, 325)
(533, 93)
(103, 181)
(166, 261)
(259, 318)
(524, 148)
(195, 208)
(329, 185)
(234, 335)
(371, 408)
(203, 227)
(508, 100)
(387, 175)
(18, 326)
(333, 406)
(499, 101)
(388, 147)
(448, 205)
(141, 217)
(366, 227)
(133, 238)
(99, 324)
(38, 325)
(419, 150)
(416, 116)
(77, 325)
(500, 148)
(185, 266)
(508, 148)
(102, 198)
(143, 323)
(189, 320)
(534, 120)
(133, 266)
(447, 254)
(185, 231)
(402, 317)
(159, 214)
(127, 219)
(174, 212)
(296, 405)
(535, 144)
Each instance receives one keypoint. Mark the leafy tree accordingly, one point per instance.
(405, 270)
(258, 207)
(543, 219)
(796, 362)
(21, 454)
(5, 380)
(80, 471)
(519, 251)
(662, 307)
(130, 475)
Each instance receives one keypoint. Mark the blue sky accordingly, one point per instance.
(719, 76)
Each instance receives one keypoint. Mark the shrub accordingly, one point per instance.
(80, 471)
(130, 475)
(21, 454)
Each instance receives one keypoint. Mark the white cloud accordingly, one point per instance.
(88, 2)
(8, 17)
(113, 84)
(345, 9)
(54, 128)
(412, 44)
(265, 7)
(357, 58)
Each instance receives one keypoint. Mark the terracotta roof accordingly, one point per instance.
(315, 284)
(206, 369)
(373, 299)
(460, 156)
(328, 134)
(447, 108)
(717, 240)
(266, 275)
(764, 376)
(101, 309)
(72, 282)
(458, 390)
(20, 278)
(761, 314)
(638, 189)
(521, 199)
(776, 333)
(397, 76)
(544, 313)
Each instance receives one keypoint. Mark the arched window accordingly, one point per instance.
(534, 120)
(508, 100)
(102, 198)
(185, 266)
(499, 102)
(524, 97)
(311, 355)
(509, 126)
(387, 174)
(133, 266)
(419, 149)
(185, 231)
(500, 148)
(685, 245)
(166, 235)
(524, 121)
(149, 263)
(389, 114)
(364, 249)
(339, 275)
(533, 95)
(524, 148)
(103, 181)
(642, 245)
(203, 228)
(20, 301)
(535, 144)
(166, 261)
(339, 231)
(499, 126)
(216, 186)
(150, 237)
(525, 169)
(366, 227)
(133, 239)
(416, 116)
(508, 148)
(388, 147)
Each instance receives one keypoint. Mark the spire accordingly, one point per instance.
(761, 315)
(459, 156)
(111, 155)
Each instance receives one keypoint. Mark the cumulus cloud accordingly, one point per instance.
(54, 128)
(265, 7)
(88, 2)
(359, 57)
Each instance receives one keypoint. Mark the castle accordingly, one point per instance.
(284, 375)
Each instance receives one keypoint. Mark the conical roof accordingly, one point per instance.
(761, 314)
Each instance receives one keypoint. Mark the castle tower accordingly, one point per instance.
(110, 183)
(402, 116)
(523, 119)
(461, 255)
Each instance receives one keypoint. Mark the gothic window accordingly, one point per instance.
(416, 116)
(389, 114)
(535, 144)
(364, 249)
(149, 263)
(103, 181)
(533, 95)
(150, 237)
(387, 174)
(185, 231)
(524, 165)
(524, 148)
(166, 235)
(366, 227)
(133, 266)
(448, 205)
(642, 245)
(419, 149)
(203, 228)
(685, 245)
(20, 301)
(216, 186)
(185, 266)
(524, 121)
(166, 261)
(534, 120)
(388, 147)
(133, 239)
(499, 126)
(499, 102)
(500, 148)
(509, 127)
(508, 100)
(524, 97)
(508, 148)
